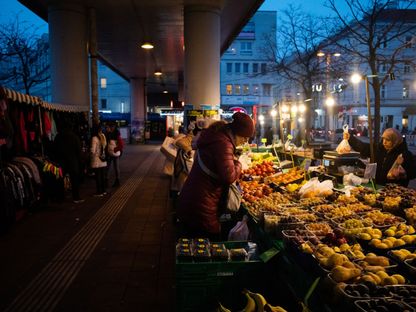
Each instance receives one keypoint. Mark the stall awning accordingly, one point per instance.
(21, 98)
(37, 101)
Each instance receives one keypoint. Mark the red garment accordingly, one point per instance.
(47, 125)
(23, 132)
(200, 196)
(120, 144)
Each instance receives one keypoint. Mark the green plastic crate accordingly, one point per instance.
(200, 286)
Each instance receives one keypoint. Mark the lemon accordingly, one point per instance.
(400, 279)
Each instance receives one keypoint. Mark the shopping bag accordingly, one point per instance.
(168, 148)
(112, 144)
(233, 198)
(240, 232)
(396, 171)
(344, 147)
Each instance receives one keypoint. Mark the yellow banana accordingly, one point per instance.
(269, 308)
(251, 304)
(221, 308)
(259, 299)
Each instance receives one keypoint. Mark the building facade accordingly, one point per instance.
(245, 81)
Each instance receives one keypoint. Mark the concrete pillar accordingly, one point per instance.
(137, 100)
(69, 56)
(202, 55)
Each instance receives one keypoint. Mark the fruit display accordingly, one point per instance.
(383, 219)
(344, 199)
(291, 176)
(319, 229)
(255, 302)
(354, 226)
(266, 203)
(253, 190)
(367, 290)
(402, 254)
(411, 215)
(263, 169)
(381, 278)
(383, 305)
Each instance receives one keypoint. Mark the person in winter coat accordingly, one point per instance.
(386, 153)
(201, 200)
(98, 160)
(68, 153)
(114, 150)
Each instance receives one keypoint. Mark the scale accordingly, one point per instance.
(332, 161)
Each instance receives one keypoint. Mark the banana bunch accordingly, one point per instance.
(257, 303)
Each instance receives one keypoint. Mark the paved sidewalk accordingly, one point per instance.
(107, 254)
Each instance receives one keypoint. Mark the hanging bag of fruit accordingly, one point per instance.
(344, 147)
(396, 171)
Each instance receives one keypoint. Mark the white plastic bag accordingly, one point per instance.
(168, 148)
(240, 231)
(344, 147)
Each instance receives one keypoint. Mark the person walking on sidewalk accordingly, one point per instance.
(98, 159)
(114, 152)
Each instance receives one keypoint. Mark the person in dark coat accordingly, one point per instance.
(201, 198)
(68, 152)
(386, 153)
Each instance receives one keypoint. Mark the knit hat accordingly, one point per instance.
(242, 125)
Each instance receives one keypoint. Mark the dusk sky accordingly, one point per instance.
(9, 9)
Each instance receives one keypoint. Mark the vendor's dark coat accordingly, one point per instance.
(201, 194)
(385, 160)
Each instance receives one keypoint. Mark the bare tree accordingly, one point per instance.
(366, 30)
(23, 56)
(295, 59)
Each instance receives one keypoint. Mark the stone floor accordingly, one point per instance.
(107, 254)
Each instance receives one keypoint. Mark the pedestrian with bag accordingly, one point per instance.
(216, 167)
(114, 151)
(98, 159)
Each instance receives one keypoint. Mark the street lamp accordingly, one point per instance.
(356, 78)
(330, 104)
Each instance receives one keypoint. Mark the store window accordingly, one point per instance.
(103, 83)
(383, 91)
(246, 48)
(267, 88)
(255, 89)
(255, 68)
(405, 90)
(382, 67)
(238, 68)
(263, 68)
(237, 89)
(229, 67)
(245, 68)
(229, 89)
(406, 68)
(103, 103)
(246, 89)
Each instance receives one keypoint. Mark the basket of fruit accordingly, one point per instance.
(353, 292)
(380, 305)
(405, 293)
(320, 229)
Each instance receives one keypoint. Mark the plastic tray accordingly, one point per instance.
(371, 294)
(360, 304)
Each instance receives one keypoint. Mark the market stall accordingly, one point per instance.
(334, 247)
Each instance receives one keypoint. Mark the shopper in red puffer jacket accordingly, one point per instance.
(201, 197)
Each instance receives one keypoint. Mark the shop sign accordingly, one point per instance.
(171, 112)
(200, 112)
(251, 100)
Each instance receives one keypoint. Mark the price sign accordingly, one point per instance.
(370, 171)
(263, 140)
